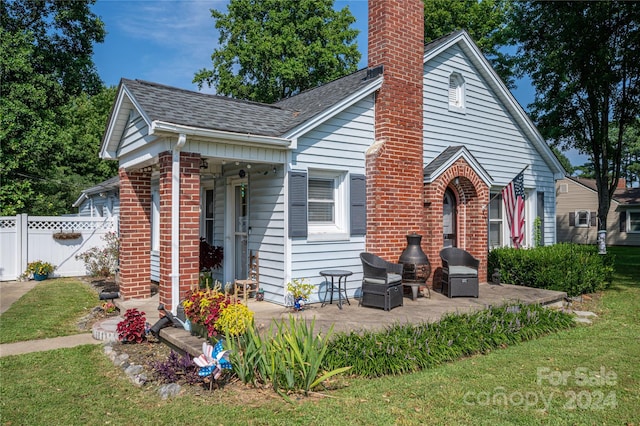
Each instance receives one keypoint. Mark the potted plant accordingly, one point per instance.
(300, 290)
(39, 269)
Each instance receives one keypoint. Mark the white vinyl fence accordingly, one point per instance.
(24, 239)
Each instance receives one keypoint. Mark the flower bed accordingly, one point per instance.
(217, 312)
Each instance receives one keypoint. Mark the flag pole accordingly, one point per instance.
(500, 192)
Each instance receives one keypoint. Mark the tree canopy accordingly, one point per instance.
(53, 106)
(584, 62)
(273, 49)
(63, 34)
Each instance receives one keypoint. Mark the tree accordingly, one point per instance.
(586, 171)
(273, 49)
(566, 164)
(484, 20)
(585, 65)
(63, 32)
(46, 67)
(631, 154)
(28, 125)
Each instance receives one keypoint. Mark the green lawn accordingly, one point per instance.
(51, 309)
(518, 385)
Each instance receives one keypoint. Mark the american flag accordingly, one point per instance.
(513, 196)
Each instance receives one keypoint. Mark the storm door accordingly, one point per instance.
(449, 219)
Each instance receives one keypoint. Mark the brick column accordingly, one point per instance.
(135, 234)
(189, 213)
(394, 163)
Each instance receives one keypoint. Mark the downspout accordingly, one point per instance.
(175, 223)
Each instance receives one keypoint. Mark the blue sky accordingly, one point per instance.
(167, 41)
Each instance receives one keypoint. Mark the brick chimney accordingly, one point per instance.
(395, 204)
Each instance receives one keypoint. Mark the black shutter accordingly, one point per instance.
(572, 218)
(358, 191)
(594, 216)
(297, 204)
(623, 221)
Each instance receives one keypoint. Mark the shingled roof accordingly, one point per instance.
(624, 196)
(205, 111)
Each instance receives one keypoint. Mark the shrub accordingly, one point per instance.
(132, 329)
(572, 268)
(404, 348)
(175, 369)
(102, 262)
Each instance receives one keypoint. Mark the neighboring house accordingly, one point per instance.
(101, 200)
(420, 141)
(577, 210)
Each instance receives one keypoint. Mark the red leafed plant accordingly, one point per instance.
(210, 256)
(132, 329)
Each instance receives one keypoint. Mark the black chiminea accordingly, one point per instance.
(416, 267)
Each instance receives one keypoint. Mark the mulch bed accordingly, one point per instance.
(153, 350)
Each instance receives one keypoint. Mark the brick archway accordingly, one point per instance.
(472, 197)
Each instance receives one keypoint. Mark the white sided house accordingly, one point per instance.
(312, 181)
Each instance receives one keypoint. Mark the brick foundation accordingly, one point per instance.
(135, 234)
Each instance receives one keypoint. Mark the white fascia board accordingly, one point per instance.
(505, 94)
(303, 128)
(109, 149)
(80, 200)
(239, 138)
(470, 159)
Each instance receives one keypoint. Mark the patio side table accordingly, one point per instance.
(342, 275)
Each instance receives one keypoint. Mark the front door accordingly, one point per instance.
(241, 223)
(236, 230)
(449, 219)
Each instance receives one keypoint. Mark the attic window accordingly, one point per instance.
(456, 92)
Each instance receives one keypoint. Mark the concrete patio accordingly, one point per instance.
(356, 318)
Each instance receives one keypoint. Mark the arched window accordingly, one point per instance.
(456, 91)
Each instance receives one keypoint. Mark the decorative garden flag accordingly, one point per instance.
(513, 196)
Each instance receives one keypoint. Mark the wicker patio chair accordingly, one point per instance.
(381, 282)
(459, 273)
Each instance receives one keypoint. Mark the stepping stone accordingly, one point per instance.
(585, 314)
(582, 320)
(105, 329)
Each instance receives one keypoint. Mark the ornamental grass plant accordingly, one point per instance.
(289, 357)
(405, 348)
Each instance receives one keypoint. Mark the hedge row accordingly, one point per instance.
(573, 268)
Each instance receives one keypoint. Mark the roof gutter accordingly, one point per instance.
(175, 223)
(242, 138)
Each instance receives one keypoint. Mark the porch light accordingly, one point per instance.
(204, 164)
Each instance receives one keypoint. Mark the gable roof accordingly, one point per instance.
(624, 196)
(449, 156)
(165, 106)
(184, 111)
(472, 51)
(107, 185)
